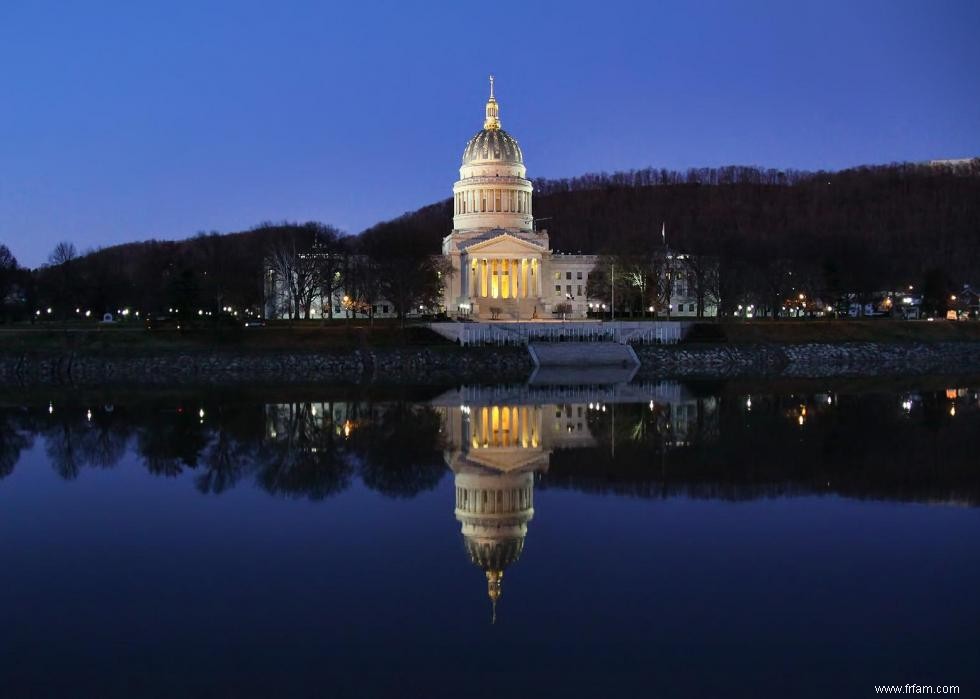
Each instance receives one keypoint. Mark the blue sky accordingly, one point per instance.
(130, 120)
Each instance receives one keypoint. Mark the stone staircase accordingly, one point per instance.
(583, 354)
(510, 309)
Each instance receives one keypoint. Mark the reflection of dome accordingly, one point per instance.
(494, 509)
(495, 555)
(492, 145)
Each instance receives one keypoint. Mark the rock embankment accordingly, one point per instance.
(490, 364)
(803, 360)
(389, 365)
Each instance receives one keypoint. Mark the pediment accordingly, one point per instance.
(503, 244)
(504, 460)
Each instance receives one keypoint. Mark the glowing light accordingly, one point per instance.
(748, 403)
(88, 415)
(200, 413)
(952, 411)
(50, 408)
(801, 419)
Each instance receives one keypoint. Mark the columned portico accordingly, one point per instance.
(493, 277)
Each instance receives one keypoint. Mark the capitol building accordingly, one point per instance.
(502, 265)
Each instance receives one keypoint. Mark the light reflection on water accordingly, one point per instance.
(351, 527)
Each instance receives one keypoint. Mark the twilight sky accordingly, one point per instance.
(130, 120)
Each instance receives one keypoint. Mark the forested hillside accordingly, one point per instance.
(876, 225)
(771, 231)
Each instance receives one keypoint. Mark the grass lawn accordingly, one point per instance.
(314, 336)
(303, 336)
(879, 330)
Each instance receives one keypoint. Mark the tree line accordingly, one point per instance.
(210, 273)
(769, 234)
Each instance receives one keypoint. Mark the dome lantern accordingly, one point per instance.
(492, 122)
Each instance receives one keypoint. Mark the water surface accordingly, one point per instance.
(631, 540)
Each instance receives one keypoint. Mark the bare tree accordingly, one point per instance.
(295, 272)
(328, 249)
(63, 260)
(8, 275)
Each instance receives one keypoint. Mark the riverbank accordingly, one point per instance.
(808, 360)
(415, 355)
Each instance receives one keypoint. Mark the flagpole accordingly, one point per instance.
(612, 291)
(670, 268)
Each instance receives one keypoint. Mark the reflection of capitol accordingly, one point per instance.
(494, 452)
(498, 438)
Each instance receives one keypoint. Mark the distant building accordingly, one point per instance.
(953, 162)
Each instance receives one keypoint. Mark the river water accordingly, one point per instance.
(651, 539)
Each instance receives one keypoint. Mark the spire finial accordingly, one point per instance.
(493, 111)
(494, 578)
